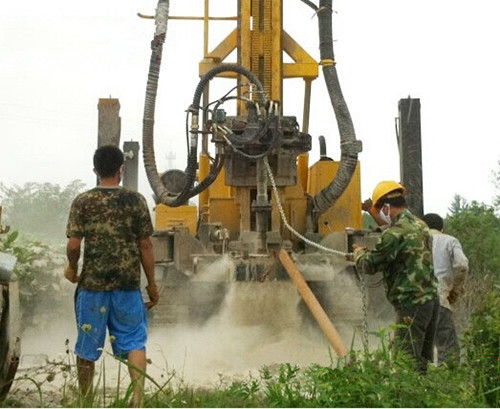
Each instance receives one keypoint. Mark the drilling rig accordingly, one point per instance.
(258, 194)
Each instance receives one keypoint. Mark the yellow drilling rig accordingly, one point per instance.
(258, 195)
(265, 212)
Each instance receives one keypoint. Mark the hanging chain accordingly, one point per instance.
(364, 298)
(285, 221)
(319, 246)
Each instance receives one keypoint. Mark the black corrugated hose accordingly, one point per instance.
(350, 147)
(149, 106)
(154, 179)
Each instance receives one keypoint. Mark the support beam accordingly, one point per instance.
(410, 153)
(313, 304)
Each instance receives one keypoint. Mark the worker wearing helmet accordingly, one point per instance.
(403, 255)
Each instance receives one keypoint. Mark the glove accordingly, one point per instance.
(71, 274)
(352, 256)
(153, 295)
(367, 205)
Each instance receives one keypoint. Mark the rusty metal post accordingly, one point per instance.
(410, 153)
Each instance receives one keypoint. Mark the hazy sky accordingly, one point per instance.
(57, 58)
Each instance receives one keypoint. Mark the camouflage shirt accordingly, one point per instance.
(111, 221)
(404, 256)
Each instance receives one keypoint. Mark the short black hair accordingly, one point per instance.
(434, 221)
(107, 160)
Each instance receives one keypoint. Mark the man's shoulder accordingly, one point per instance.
(132, 196)
(408, 221)
(85, 195)
(445, 238)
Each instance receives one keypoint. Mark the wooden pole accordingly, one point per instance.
(314, 306)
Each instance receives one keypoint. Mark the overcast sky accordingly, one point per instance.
(57, 58)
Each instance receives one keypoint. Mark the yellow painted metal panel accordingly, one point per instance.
(225, 211)
(300, 70)
(303, 169)
(219, 187)
(182, 216)
(346, 212)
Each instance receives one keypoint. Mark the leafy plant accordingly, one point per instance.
(38, 271)
(478, 229)
(482, 341)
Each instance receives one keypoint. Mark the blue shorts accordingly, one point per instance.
(122, 312)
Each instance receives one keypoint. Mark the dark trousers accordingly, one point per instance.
(416, 336)
(446, 340)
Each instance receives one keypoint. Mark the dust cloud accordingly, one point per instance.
(256, 325)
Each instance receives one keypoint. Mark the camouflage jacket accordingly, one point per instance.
(111, 221)
(404, 256)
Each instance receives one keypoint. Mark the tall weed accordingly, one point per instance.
(482, 342)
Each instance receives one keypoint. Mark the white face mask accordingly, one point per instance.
(385, 217)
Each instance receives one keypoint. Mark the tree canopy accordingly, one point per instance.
(39, 209)
(478, 228)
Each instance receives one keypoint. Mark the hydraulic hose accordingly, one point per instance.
(192, 165)
(195, 106)
(215, 169)
(350, 147)
(160, 191)
(161, 20)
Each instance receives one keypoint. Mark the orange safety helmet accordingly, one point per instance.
(385, 187)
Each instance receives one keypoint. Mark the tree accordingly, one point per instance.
(496, 183)
(39, 209)
(478, 229)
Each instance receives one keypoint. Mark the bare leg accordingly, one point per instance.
(85, 371)
(137, 370)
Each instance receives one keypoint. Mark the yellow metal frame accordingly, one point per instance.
(267, 43)
(261, 41)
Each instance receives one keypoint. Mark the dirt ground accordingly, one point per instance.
(250, 331)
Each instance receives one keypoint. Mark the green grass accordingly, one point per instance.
(375, 379)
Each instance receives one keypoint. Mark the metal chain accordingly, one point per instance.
(319, 246)
(364, 298)
(285, 221)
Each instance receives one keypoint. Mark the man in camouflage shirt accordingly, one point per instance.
(115, 226)
(404, 256)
